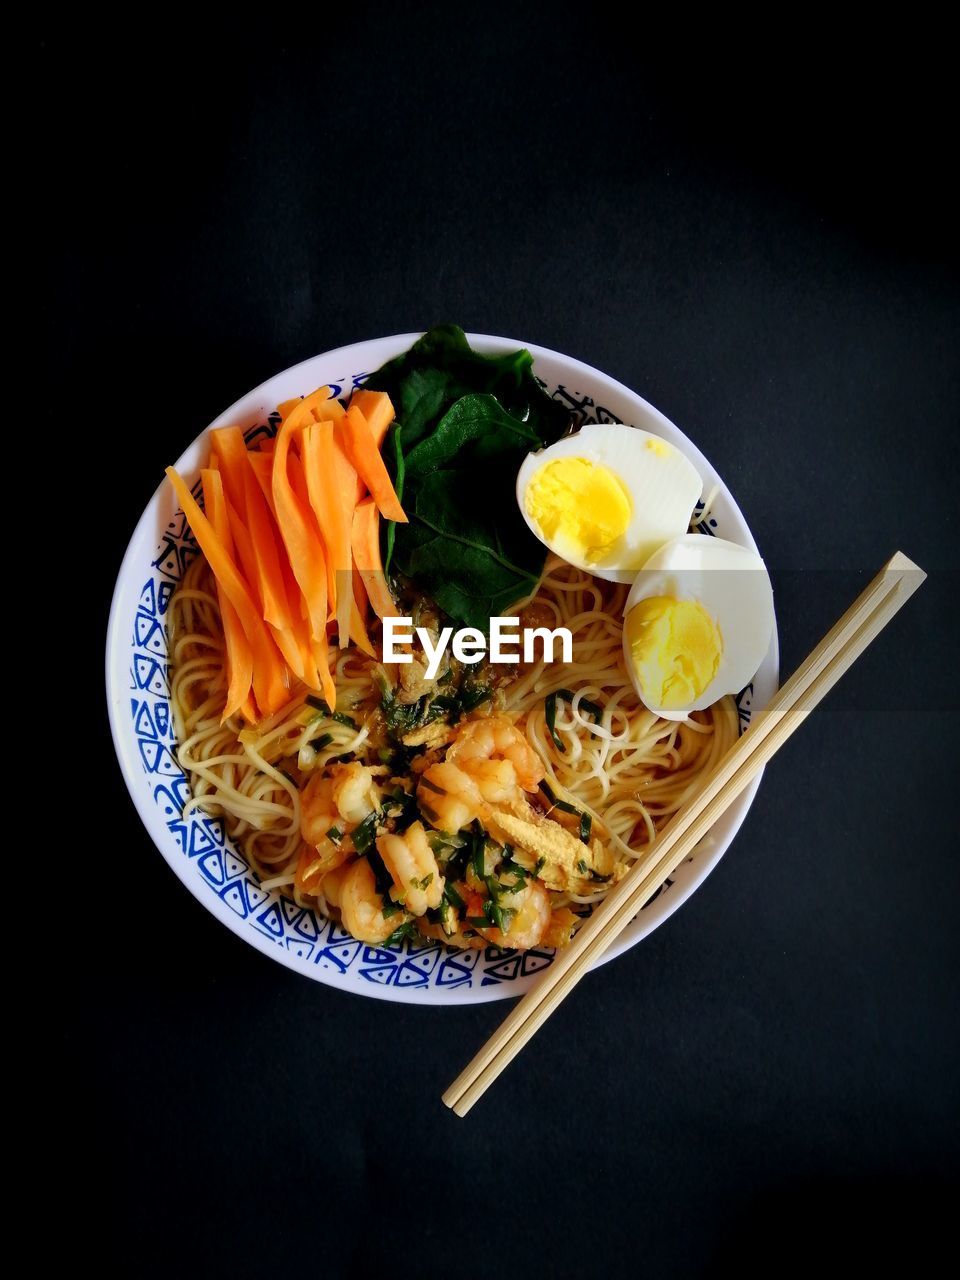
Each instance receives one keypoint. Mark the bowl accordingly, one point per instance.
(196, 846)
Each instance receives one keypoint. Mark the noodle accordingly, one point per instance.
(630, 770)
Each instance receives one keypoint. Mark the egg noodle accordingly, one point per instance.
(628, 768)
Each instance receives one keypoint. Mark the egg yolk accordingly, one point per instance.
(580, 504)
(676, 648)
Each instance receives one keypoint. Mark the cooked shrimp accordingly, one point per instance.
(496, 779)
(408, 857)
(449, 798)
(354, 791)
(331, 884)
(362, 906)
(318, 810)
(495, 738)
(527, 927)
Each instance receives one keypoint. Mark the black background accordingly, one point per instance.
(762, 243)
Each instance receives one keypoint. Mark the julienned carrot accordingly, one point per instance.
(230, 448)
(265, 537)
(365, 456)
(330, 483)
(366, 555)
(269, 675)
(262, 467)
(239, 656)
(377, 408)
(304, 547)
(299, 533)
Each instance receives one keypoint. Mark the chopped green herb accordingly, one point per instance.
(334, 835)
(320, 705)
(389, 908)
(550, 708)
(541, 863)
(323, 741)
(432, 786)
(586, 822)
(365, 834)
(477, 851)
(582, 866)
(425, 882)
(564, 805)
(451, 895)
(478, 922)
(472, 697)
(407, 930)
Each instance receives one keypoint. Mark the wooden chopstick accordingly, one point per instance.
(812, 680)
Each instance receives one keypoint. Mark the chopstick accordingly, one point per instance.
(812, 680)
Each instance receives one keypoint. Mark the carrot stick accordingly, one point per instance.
(265, 537)
(304, 547)
(230, 449)
(269, 675)
(366, 555)
(377, 408)
(365, 456)
(330, 484)
(238, 654)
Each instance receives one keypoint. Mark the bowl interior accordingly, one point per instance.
(196, 846)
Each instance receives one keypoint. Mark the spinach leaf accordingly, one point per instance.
(441, 367)
(476, 428)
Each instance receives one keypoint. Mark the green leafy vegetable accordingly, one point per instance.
(466, 421)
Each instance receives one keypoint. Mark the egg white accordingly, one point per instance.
(662, 483)
(732, 584)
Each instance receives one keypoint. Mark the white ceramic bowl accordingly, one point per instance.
(196, 848)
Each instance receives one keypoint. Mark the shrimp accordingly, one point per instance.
(318, 810)
(418, 883)
(495, 738)
(527, 927)
(361, 906)
(354, 791)
(449, 798)
(331, 884)
(347, 794)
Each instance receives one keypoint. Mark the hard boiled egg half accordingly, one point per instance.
(606, 498)
(697, 624)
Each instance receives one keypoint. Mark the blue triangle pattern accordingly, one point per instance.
(508, 967)
(211, 867)
(302, 950)
(272, 921)
(451, 974)
(148, 597)
(143, 721)
(149, 634)
(168, 559)
(534, 961)
(407, 977)
(306, 926)
(383, 975)
(213, 828)
(291, 911)
(235, 866)
(232, 895)
(200, 841)
(340, 958)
